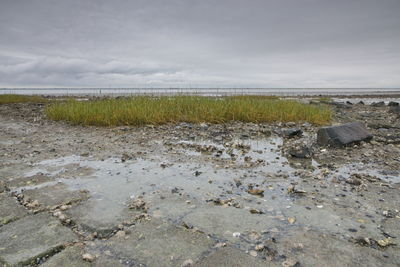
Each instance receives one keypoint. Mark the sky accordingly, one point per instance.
(200, 43)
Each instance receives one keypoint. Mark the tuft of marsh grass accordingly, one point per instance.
(10, 98)
(196, 109)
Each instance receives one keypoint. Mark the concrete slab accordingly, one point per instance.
(34, 236)
(232, 257)
(104, 261)
(157, 243)
(314, 248)
(224, 221)
(69, 257)
(391, 226)
(55, 195)
(101, 216)
(16, 182)
(10, 209)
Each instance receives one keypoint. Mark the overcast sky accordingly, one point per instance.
(202, 43)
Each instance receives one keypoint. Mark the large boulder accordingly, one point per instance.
(342, 135)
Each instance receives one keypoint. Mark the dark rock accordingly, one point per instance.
(361, 103)
(349, 103)
(378, 104)
(353, 181)
(336, 104)
(395, 110)
(393, 104)
(300, 152)
(292, 132)
(343, 135)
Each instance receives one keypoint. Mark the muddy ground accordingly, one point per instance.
(201, 195)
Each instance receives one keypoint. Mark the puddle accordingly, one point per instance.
(187, 191)
(348, 169)
(264, 151)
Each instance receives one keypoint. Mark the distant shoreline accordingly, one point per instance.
(297, 92)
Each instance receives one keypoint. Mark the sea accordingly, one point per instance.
(202, 91)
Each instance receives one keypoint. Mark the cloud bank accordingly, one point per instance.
(184, 43)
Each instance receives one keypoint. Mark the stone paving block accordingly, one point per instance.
(104, 261)
(318, 248)
(156, 243)
(224, 221)
(55, 195)
(24, 181)
(33, 236)
(101, 216)
(69, 257)
(232, 257)
(10, 209)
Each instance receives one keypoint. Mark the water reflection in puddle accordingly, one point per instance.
(177, 190)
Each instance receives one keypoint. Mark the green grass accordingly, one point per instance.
(161, 110)
(324, 99)
(8, 99)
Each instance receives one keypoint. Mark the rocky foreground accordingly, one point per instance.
(199, 195)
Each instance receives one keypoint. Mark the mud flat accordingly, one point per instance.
(230, 194)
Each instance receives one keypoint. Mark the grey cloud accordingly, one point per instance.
(269, 43)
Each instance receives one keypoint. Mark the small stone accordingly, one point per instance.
(187, 263)
(385, 242)
(236, 234)
(120, 234)
(290, 263)
(256, 191)
(64, 207)
(88, 257)
(291, 220)
(57, 213)
(259, 247)
(253, 253)
(220, 245)
(255, 211)
(33, 204)
(292, 132)
(138, 204)
(298, 245)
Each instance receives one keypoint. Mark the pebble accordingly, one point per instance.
(290, 263)
(255, 211)
(64, 207)
(253, 253)
(219, 245)
(187, 263)
(88, 257)
(120, 234)
(33, 204)
(236, 234)
(259, 247)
